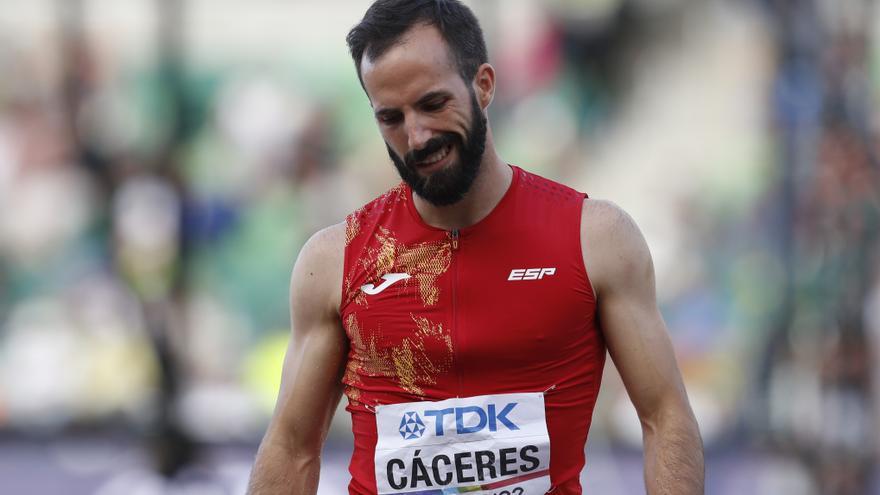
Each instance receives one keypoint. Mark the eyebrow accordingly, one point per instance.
(427, 97)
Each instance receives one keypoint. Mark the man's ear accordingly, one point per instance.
(484, 85)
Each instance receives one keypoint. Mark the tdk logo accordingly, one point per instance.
(411, 426)
(531, 273)
(468, 419)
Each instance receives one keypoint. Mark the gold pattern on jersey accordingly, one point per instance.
(425, 262)
(356, 295)
(353, 220)
(372, 360)
(413, 363)
(352, 227)
(428, 329)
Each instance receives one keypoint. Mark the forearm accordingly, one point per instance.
(673, 454)
(278, 470)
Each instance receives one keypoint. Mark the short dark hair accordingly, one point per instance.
(387, 20)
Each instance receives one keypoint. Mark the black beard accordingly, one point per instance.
(447, 186)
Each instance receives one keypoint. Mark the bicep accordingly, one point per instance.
(632, 325)
(311, 378)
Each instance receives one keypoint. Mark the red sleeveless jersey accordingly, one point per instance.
(503, 306)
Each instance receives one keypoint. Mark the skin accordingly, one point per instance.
(618, 261)
(622, 273)
(396, 84)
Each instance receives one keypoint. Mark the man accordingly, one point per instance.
(456, 312)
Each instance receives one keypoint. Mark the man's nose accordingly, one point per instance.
(417, 136)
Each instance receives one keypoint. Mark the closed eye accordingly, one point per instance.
(388, 117)
(434, 105)
(434, 101)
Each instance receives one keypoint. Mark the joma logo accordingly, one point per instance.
(531, 273)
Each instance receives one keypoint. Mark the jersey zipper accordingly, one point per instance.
(455, 356)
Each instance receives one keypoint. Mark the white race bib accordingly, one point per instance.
(490, 444)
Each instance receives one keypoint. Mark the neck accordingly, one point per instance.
(485, 193)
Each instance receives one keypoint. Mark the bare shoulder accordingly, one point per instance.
(606, 221)
(614, 249)
(317, 274)
(327, 244)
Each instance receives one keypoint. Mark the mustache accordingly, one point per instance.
(433, 145)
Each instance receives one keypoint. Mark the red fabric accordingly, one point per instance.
(458, 327)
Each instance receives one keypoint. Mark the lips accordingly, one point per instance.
(435, 157)
(435, 151)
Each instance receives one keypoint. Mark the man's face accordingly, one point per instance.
(431, 121)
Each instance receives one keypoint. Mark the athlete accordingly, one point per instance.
(465, 314)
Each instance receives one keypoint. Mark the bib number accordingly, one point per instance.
(489, 444)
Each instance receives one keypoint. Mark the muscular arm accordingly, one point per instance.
(622, 273)
(288, 460)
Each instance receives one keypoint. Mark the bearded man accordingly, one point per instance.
(465, 314)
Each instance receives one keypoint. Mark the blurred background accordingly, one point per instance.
(162, 162)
